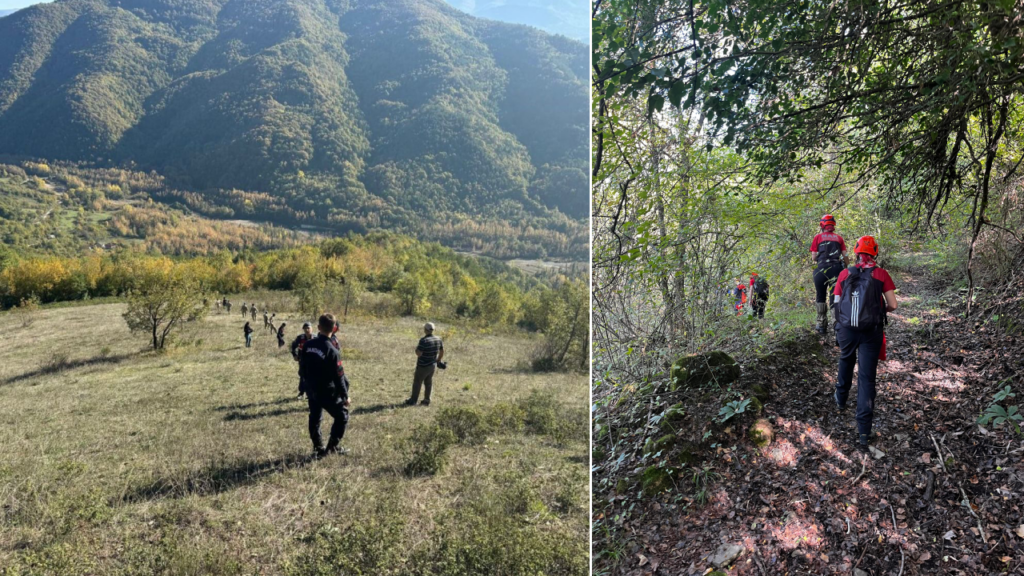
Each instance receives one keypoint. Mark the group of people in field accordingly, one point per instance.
(860, 294)
(322, 379)
(268, 322)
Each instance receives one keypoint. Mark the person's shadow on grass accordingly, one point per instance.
(376, 408)
(216, 478)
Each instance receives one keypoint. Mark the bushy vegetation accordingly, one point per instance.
(381, 274)
(352, 116)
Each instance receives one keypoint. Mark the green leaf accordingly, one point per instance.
(655, 102)
(675, 93)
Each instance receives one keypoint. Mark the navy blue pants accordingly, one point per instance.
(861, 348)
(336, 408)
(825, 280)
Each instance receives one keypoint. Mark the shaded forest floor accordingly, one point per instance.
(811, 503)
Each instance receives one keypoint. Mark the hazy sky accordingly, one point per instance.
(13, 4)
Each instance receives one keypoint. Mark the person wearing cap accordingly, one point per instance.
(429, 352)
(326, 387)
(828, 252)
(297, 344)
(864, 295)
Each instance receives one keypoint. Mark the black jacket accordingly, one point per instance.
(298, 343)
(320, 367)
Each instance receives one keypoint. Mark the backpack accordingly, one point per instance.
(829, 250)
(860, 305)
(761, 287)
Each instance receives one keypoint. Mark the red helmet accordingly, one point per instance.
(866, 245)
(827, 220)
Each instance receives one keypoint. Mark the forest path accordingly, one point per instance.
(811, 503)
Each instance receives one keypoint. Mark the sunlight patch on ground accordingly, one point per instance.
(797, 531)
(782, 453)
(809, 437)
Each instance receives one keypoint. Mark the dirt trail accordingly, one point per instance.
(810, 503)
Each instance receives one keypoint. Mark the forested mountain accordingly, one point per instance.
(568, 17)
(346, 114)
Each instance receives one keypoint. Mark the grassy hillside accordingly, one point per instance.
(117, 461)
(355, 115)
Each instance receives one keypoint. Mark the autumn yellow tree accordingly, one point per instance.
(163, 301)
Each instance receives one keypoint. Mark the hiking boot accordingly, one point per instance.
(409, 402)
(862, 442)
(839, 405)
(334, 448)
(425, 403)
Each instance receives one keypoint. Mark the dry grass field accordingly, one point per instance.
(119, 460)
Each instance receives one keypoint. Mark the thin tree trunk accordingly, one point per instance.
(990, 157)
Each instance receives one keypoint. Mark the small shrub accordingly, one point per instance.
(430, 454)
(506, 417)
(541, 411)
(371, 544)
(105, 351)
(544, 363)
(59, 362)
(467, 424)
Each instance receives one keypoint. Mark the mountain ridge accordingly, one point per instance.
(402, 114)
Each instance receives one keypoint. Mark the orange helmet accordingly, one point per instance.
(866, 245)
(827, 220)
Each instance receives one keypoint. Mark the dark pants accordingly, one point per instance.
(424, 375)
(825, 280)
(757, 308)
(336, 408)
(861, 348)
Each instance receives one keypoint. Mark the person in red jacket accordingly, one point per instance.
(828, 252)
(864, 295)
(740, 293)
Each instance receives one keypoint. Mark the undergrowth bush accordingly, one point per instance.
(369, 544)
(431, 447)
(496, 532)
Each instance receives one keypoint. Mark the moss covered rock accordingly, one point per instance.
(655, 479)
(756, 406)
(659, 444)
(761, 433)
(760, 392)
(700, 370)
(672, 418)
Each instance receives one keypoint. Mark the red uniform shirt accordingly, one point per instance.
(827, 237)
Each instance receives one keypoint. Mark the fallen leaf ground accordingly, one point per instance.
(810, 503)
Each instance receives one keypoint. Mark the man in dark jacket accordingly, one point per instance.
(429, 352)
(326, 387)
(297, 345)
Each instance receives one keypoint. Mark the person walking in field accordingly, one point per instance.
(245, 310)
(266, 319)
(864, 295)
(227, 305)
(296, 348)
(280, 335)
(252, 312)
(248, 335)
(828, 252)
(326, 387)
(429, 352)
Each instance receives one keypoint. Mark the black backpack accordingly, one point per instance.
(761, 288)
(860, 305)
